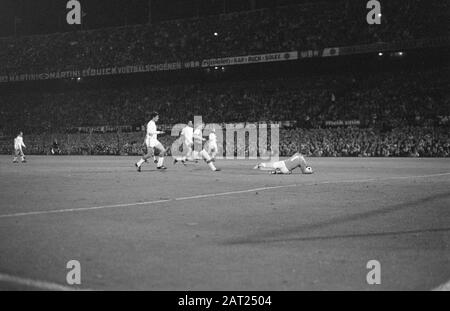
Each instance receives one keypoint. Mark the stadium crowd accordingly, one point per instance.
(326, 142)
(383, 99)
(402, 113)
(313, 25)
(355, 142)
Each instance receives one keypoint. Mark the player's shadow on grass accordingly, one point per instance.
(277, 235)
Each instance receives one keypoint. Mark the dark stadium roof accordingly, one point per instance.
(26, 17)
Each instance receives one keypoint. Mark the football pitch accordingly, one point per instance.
(188, 228)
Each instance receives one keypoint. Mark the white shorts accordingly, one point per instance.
(281, 165)
(151, 143)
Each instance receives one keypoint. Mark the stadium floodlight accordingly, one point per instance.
(216, 34)
(380, 54)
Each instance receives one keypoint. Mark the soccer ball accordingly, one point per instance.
(308, 170)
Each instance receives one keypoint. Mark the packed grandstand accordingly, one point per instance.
(336, 85)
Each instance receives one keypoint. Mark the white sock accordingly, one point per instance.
(160, 161)
(208, 159)
(211, 166)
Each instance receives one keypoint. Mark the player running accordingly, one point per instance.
(198, 139)
(151, 141)
(286, 166)
(187, 134)
(211, 145)
(203, 154)
(18, 145)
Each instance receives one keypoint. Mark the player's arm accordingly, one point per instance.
(159, 132)
(199, 137)
(152, 131)
(264, 166)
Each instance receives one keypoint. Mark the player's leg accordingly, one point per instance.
(302, 162)
(188, 156)
(156, 155)
(208, 160)
(280, 168)
(162, 152)
(275, 167)
(187, 151)
(265, 166)
(22, 156)
(16, 154)
(195, 156)
(189, 147)
(150, 153)
(191, 154)
(212, 150)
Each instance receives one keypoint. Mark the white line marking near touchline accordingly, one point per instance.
(80, 209)
(210, 195)
(42, 285)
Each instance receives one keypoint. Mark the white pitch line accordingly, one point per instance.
(210, 195)
(43, 285)
(200, 196)
(82, 209)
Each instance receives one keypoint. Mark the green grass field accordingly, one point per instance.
(188, 228)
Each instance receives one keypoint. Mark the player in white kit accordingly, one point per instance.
(198, 139)
(211, 145)
(286, 166)
(187, 134)
(18, 145)
(203, 154)
(151, 141)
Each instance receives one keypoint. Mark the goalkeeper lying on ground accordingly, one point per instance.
(286, 166)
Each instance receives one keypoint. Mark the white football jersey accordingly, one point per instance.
(212, 138)
(198, 135)
(188, 133)
(18, 142)
(152, 132)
